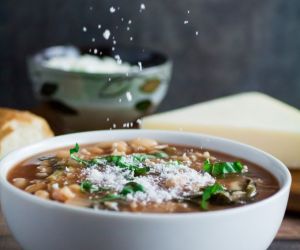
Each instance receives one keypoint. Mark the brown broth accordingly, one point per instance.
(266, 183)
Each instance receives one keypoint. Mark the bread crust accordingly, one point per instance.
(7, 115)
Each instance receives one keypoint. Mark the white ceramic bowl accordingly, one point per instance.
(41, 225)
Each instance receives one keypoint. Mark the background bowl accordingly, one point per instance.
(88, 101)
(42, 224)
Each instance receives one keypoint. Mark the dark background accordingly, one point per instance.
(241, 46)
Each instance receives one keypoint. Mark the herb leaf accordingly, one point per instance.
(87, 186)
(134, 165)
(141, 171)
(119, 160)
(113, 159)
(132, 187)
(75, 150)
(222, 168)
(210, 191)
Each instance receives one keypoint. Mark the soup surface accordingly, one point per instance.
(143, 175)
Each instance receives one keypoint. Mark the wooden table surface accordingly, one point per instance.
(288, 236)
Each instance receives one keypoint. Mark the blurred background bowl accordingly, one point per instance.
(80, 100)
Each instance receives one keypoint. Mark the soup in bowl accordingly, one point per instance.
(142, 189)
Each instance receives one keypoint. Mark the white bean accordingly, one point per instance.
(20, 182)
(142, 143)
(63, 154)
(35, 187)
(119, 146)
(42, 194)
(63, 194)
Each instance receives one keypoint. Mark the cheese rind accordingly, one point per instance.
(252, 118)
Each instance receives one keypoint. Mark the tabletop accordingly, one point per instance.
(287, 238)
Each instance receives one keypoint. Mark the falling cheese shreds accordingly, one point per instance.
(142, 7)
(140, 66)
(106, 34)
(112, 9)
(129, 96)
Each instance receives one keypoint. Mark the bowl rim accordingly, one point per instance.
(33, 61)
(4, 183)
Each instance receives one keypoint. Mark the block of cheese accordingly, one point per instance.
(252, 118)
(20, 128)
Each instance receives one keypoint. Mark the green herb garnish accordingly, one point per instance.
(222, 168)
(97, 160)
(73, 155)
(132, 187)
(87, 186)
(141, 171)
(113, 159)
(134, 165)
(119, 160)
(75, 149)
(210, 191)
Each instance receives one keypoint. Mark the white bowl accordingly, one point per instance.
(39, 224)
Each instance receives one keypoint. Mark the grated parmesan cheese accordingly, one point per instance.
(165, 181)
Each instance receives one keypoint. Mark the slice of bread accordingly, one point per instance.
(20, 128)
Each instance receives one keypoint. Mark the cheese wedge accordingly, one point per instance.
(252, 118)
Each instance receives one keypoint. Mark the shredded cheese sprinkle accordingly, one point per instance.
(166, 180)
